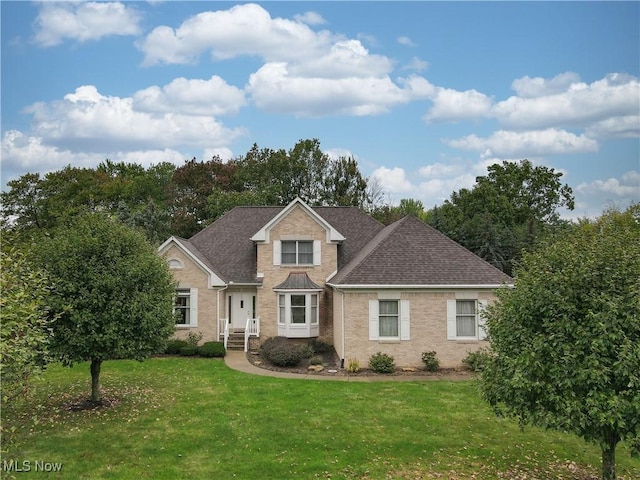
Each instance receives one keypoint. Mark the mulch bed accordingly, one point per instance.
(331, 364)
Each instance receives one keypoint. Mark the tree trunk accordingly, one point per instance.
(95, 380)
(609, 457)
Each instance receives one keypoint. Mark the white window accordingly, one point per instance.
(296, 252)
(298, 308)
(389, 320)
(186, 307)
(464, 320)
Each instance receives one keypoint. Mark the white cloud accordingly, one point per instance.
(394, 181)
(452, 105)
(416, 65)
(527, 87)
(336, 153)
(310, 18)
(83, 21)
(89, 120)
(241, 30)
(406, 41)
(275, 89)
(565, 101)
(193, 97)
(625, 187)
(619, 127)
(22, 153)
(526, 144)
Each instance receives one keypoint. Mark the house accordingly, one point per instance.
(337, 274)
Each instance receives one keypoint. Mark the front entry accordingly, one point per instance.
(241, 305)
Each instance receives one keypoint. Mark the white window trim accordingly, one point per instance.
(481, 333)
(175, 264)
(317, 253)
(404, 320)
(308, 320)
(193, 307)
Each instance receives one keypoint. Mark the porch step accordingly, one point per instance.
(235, 341)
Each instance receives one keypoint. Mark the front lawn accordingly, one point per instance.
(178, 418)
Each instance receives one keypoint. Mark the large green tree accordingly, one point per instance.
(24, 322)
(112, 292)
(566, 339)
(506, 211)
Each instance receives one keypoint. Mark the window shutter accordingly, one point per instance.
(374, 331)
(193, 307)
(405, 333)
(277, 252)
(317, 252)
(451, 319)
(482, 323)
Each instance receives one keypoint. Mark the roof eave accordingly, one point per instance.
(416, 287)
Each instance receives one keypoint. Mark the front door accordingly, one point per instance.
(241, 307)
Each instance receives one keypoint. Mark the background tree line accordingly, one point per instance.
(505, 212)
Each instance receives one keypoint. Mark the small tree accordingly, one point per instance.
(113, 292)
(566, 339)
(23, 322)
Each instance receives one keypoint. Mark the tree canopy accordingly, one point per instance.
(113, 295)
(24, 322)
(506, 211)
(566, 339)
(165, 200)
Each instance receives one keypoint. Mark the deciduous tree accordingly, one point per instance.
(112, 292)
(566, 339)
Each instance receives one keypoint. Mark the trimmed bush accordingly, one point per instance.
(174, 346)
(477, 360)
(315, 360)
(212, 349)
(189, 351)
(194, 338)
(281, 352)
(430, 361)
(382, 363)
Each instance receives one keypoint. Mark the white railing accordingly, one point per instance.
(225, 332)
(251, 329)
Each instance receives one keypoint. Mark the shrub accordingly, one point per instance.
(306, 351)
(174, 346)
(430, 361)
(315, 360)
(281, 352)
(189, 351)
(320, 346)
(212, 349)
(382, 363)
(477, 360)
(194, 338)
(353, 366)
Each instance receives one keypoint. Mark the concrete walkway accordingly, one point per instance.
(237, 360)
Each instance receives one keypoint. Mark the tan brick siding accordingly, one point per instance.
(296, 223)
(428, 330)
(191, 276)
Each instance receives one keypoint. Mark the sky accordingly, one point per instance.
(424, 95)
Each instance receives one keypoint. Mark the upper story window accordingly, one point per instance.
(297, 252)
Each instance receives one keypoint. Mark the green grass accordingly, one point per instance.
(175, 418)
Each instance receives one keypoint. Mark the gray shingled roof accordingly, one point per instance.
(409, 252)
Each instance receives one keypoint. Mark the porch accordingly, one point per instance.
(238, 338)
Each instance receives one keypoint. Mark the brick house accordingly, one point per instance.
(334, 273)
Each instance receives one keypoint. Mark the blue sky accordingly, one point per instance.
(425, 95)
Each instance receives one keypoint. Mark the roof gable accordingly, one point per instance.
(411, 253)
(262, 235)
(195, 256)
